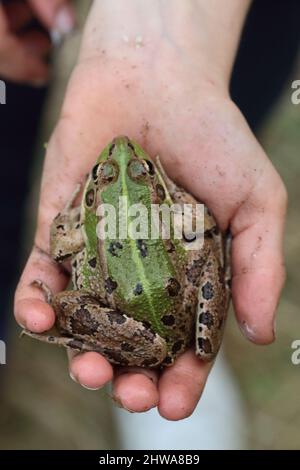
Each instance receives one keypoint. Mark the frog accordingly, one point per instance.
(137, 301)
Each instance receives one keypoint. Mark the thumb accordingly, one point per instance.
(58, 16)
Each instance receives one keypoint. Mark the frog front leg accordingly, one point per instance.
(65, 233)
(87, 324)
(214, 296)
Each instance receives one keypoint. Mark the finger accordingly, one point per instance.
(31, 310)
(20, 65)
(90, 369)
(135, 389)
(181, 385)
(18, 15)
(56, 15)
(36, 43)
(257, 258)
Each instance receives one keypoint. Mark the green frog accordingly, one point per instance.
(137, 301)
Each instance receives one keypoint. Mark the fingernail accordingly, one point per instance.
(72, 376)
(90, 388)
(119, 404)
(63, 25)
(247, 331)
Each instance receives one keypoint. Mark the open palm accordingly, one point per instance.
(206, 146)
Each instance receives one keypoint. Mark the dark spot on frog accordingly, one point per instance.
(142, 247)
(77, 226)
(207, 291)
(75, 344)
(110, 285)
(204, 345)
(89, 198)
(83, 323)
(168, 320)
(138, 289)
(177, 346)
(114, 247)
(51, 339)
(221, 322)
(192, 273)
(206, 319)
(201, 305)
(208, 234)
(150, 167)
(60, 257)
(60, 227)
(115, 356)
(116, 317)
(111, 149)
(74, 264)
(173, 287)
(168, 360)
(170, 246)
(216, 230)
(146, 324)
(127, 347)
(160, 192)
(93, 262)
(95, 172)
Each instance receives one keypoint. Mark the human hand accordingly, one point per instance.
(176, 105)
(23, 48)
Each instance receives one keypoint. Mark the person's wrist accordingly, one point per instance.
(195, 33)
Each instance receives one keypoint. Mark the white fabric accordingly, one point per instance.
(218, 422)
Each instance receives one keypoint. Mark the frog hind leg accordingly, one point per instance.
(87, 324)
(65, 233)
(214, 297)
(118, 337)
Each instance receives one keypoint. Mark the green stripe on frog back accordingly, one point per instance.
(134, 267)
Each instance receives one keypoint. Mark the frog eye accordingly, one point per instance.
(137, 170)
(107, 172)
